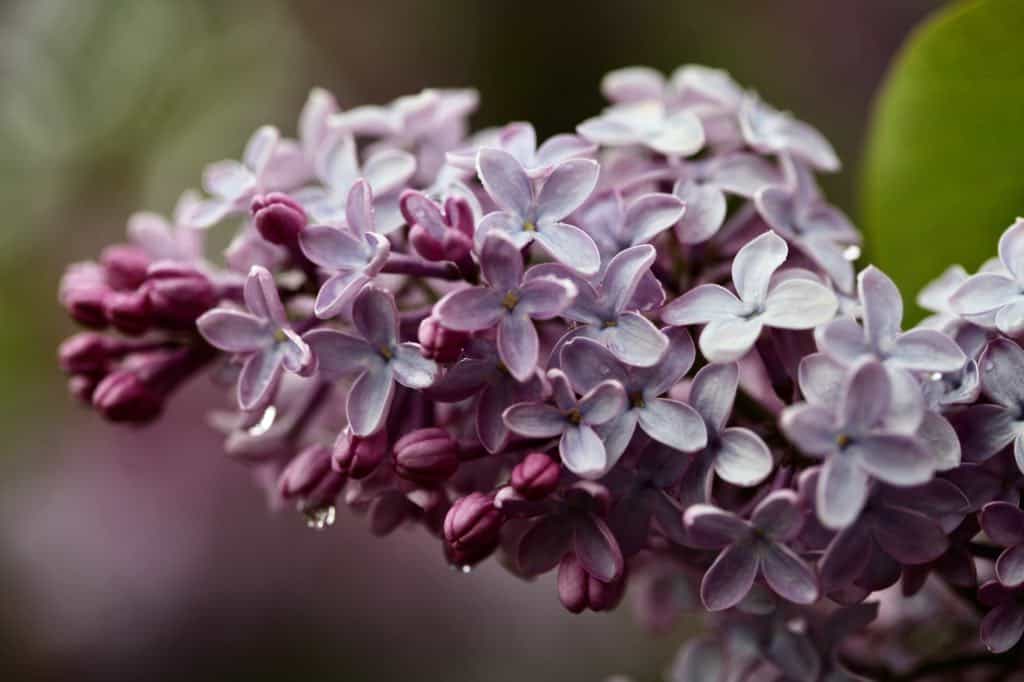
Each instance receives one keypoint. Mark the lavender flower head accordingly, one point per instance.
(491, 338)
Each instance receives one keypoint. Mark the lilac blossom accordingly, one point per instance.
(353, 254)
(375, 357)
(749, 548)
(520, 140)
(991, 427)
(179, 239)
(798, 212)
(233, 184)
(735, 454)
(674, 423)
(338, 169)
(510, 302)
(604, 313)
(527, 215)
(261, 337)
(996, 299)
(734, 323)
(648, 123)
(573, 421)
(857, 447)
(615, 225)
(771, 131)
(1003, 625)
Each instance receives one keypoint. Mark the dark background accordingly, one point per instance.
(146, 555)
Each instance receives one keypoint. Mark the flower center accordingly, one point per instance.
(610, 323)
(386, 352)
(574, 416)
(842, 440)
(510, 300)
(637, 399)
(529, 226)
(280, 336)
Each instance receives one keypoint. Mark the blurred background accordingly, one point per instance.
(147, 555)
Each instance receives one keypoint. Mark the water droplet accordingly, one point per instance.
(265, 422)
(320, 518)
(466, 568)
(989, 366)
(851, 252)
(935, 376)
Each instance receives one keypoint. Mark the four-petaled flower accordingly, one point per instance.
(996, 299)
(770, 131)
(232, 184)
(752, 547)
(527, 215)
(649, 123)
(587, 363)
(375, 356)
(857, 444)
(520, 140)
(508, 301)
(733, 324)
(574, 421)
(615, 225)
(353, 254)
(989, 428)
(262, 337)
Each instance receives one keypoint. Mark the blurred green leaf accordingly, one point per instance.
(945, 167)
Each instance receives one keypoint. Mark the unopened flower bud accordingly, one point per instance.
(578, 590)
(278, 218)
(454, 246)
(472, 528)
(124, 397)
(179, 293)
(440, 343)
(536, 476)
(310, 478)
(82, 386)
(128, 311)
(86, 306)
(426, 456)
(358, 457)
(125, 266)
(84, 353)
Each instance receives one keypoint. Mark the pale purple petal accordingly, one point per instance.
(744, 174)
(545, 297)
(926, 350)
(895, 459)
(519, 140)
(623, 274)
(709, 527)
(337, 292)
(234, 331)
(296, 355)
(742, 458)
(505, 181)
(843, 340)
(388, 170)
(339, 354)
(504, 223)
(587, 363)
(1002, 627)
(559, 148)
(418, 209)
(778, 515)
(983, 293)
(260, 376)
(909, 536)
(705, 211)
(842, 491)
(673, 423)
(650, 215)
(702, 305)
(635, 340)
(618, 433)
(941, 441)
(811, 428)
(846, 557)
(260, 148)
(681, 135)
(1011, 249)
(799, 304)
(518, 345)
(411, 369)
(986, 429)
(337, 164)
(1010, 318)
(606, 131)
(569, 245)
(675, 362)
(261, 296)
(788, 575)
(603, 403)
(376, 317)
(755, 263)
(1010, 566)
(332, 248)
(821, 379)
(726, 340)
(729, 578)
(535, 420)
(1003, 523)
(865, 398)
(582, 451)
(632, 83)
(470, 309)
(883, 306)
(359, 209)
(596, 548)
(1002, 373)
(369, 400)
(501, 262)
(566, 188)
(713, 392)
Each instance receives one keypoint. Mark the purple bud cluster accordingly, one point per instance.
(495, 340)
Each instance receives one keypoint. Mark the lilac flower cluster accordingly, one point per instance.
(494, 339)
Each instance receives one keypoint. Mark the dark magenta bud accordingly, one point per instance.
(578, 590)
(440, 343)
(84, 353)
(129, 311)
(358, 457)
(125, 266)
(122, 396)
(426, 456)
(536, 476)
(86, 305)
(310, 479)
(82, 386)
(472, 529)
(278, 218)
(179, 293)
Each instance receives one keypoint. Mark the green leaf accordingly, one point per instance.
(944, 173)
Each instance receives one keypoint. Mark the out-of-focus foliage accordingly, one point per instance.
(104, 104)
(944, 174)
